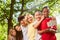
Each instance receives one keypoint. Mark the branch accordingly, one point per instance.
(5, 15)
(53, 3)
(31, 8)
(36, 6)
(4, 11)
(2, 19)
(22, 7)
(11, 9)
(23, 10)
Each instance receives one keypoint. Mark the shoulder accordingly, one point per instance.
(47, 19)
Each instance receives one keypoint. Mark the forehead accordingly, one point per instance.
(30, 16)
(13, 30)
(24, 20)
(10, 30)
(45, 9)
(37, 13)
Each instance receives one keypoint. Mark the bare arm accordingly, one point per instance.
(47, 30)
(52, 31)
(43, 31)
(38, 23)
(18, 28)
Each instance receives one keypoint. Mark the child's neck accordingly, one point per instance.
(38, 20)
(24, 25)
(31, 22)
(11, 35)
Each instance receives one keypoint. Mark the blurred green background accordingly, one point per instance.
(11, 9)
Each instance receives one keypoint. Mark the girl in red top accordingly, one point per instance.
(47, 31)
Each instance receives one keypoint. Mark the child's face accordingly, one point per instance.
(30, 19)
(23, 22)
(13, 32)
(37, 16)
(45, 12)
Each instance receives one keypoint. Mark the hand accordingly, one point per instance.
(42, 17)
(47, 29)
(18, 28)
(39, 32)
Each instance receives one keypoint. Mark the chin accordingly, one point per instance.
(29, 21)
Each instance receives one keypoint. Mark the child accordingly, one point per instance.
(31, 30)
(24, 29)
(12, 34)
(37, 23)
(19, 35)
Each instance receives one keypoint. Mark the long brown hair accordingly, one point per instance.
(19, 34)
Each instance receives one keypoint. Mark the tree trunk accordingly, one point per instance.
(10, 24)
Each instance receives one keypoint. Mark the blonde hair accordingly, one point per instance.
(31, 15)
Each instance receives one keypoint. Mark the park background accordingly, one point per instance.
(11, 9)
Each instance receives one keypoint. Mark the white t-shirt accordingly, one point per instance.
(24, 31)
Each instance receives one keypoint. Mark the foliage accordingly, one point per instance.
(29, 6)
(3, 32)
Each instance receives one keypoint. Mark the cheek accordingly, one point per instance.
(22, 22)
(30, 20)
(45, 14)
(14, 33)
(36, 16)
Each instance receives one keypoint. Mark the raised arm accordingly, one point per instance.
(38, 23)
(52, 30)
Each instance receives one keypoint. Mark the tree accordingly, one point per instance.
(9, 8)
(10, 24)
